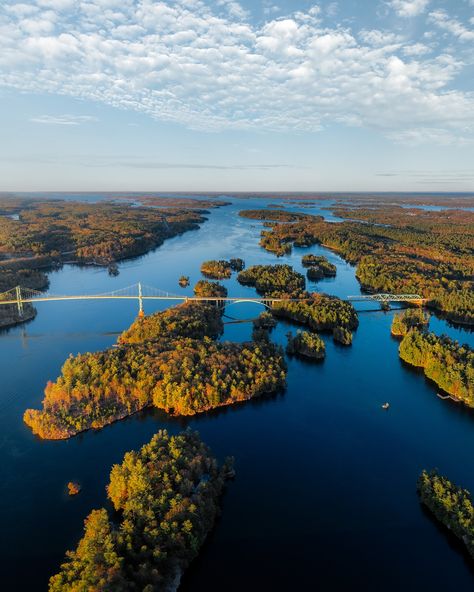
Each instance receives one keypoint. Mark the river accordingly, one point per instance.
(325, 492)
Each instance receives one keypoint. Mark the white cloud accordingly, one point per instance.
(234, 8)
(420, 136)
(441, 19)
(270, 7)
(409, 8)
(417, 49)
(63, 119)
(210, 69)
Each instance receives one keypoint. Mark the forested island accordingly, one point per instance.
(169, 360)
(273, 280)
(165, 499)
(342, 335)
(221, 269)
(306, 345)
(451, 506)
(396, 249)
(412, 318)
(320, 312)
(217, 270)
(448, 364)
(206, 289)
(318, 264)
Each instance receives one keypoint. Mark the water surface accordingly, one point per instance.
(324, 496)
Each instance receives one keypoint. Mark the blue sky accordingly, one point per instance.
(245, 95)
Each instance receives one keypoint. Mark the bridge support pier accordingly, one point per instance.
(141, 313)
(19, 301)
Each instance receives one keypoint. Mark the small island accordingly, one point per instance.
(263, 325)
(450, 505)
(206, 289)
(444, 361)
(217, 270)
(237, 264)
(342, 335)
(412, 318)
(265, 320)
(319, 267)
(184, 281)
(306, 344)
(165, 500)
(320, 312)
(73, 488)
(273, 279)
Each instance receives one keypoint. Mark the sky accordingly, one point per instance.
(227, 95)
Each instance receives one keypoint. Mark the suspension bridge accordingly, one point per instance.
(20, 296)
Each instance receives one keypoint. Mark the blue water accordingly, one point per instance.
(324, 496)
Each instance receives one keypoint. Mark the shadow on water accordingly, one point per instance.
(448, 405)
(454, 543)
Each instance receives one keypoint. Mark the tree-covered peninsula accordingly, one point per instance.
(168, 360)
(38, 236)
(448, 364)
(451, 505)
(165, 499)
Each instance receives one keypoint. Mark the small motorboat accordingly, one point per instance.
(386, 406)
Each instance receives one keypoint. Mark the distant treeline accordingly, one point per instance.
(418, 252)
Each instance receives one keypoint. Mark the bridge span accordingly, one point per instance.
(19, 296)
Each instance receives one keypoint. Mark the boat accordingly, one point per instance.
(385, 406)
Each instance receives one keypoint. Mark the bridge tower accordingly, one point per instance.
(141, 313)
(19, 301)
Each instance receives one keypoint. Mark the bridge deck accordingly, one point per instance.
(140, 292)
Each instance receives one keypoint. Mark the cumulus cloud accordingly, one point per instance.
(211, 68)
(234, 8)
(409, 8)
